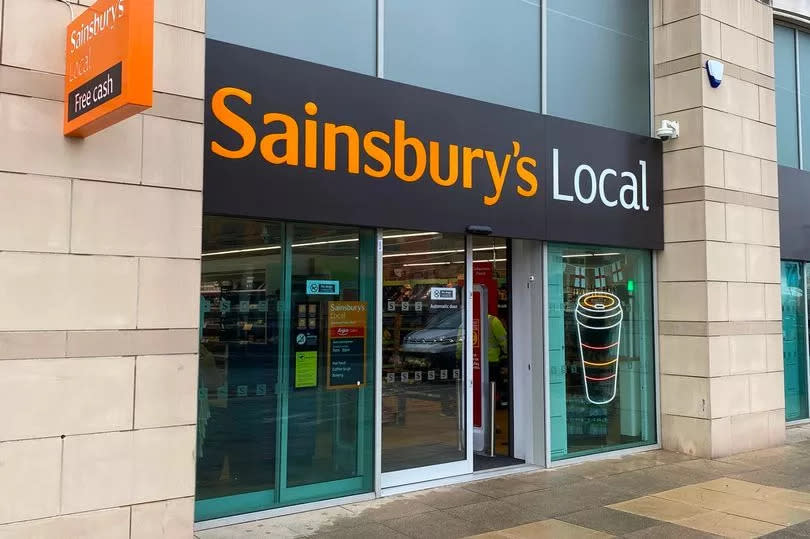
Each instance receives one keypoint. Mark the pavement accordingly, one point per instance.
(656, 494)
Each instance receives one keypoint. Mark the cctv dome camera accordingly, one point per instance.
(669, 130)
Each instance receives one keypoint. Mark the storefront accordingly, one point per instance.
(402, 286)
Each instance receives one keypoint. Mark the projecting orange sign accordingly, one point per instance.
(108, 71)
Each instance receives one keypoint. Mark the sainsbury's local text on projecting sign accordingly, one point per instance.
(108, 74)
(288, 139)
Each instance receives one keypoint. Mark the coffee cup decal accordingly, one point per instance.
(599, 326)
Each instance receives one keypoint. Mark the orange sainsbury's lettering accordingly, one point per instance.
(233, 121)
(397, 152)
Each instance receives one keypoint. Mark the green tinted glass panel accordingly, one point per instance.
(274, 428)
(601, 362)
(787, 116)
(794, 343)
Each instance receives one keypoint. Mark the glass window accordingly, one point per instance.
(787, 118)
(599, 62)
(474, 48)
(794, 340)
(601, 364)
(286, 387)
(338, 33)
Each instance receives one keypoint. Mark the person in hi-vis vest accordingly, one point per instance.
(497, 346)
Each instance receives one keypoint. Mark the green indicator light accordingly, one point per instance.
(631, 285)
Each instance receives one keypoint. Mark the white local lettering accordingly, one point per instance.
(587, 185)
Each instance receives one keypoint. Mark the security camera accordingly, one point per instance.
(669, 130)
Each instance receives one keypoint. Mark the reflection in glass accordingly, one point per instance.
(474, 48)
(601, 362)
(794, 340)
(787, 117)
(599, 62)
(423, 419)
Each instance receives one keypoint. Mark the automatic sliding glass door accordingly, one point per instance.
(425, 391)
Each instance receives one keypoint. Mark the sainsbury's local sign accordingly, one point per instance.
(108, 72)
(288, 139)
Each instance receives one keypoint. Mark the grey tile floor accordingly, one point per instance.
(574, 497)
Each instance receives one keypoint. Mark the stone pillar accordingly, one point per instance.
(99, 286)
(719, 274)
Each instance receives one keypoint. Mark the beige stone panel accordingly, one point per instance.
(739, 47)
(715, 221)
(188, 14)
(179, 61)
(683, 262)
(773, 302)
(767, 391)
(134, 220)
(34, 213)
(676, 40)
(770, 178)
(166, 391)
(685, 356)
(54, 291)
(123, 468)
(725, 261)
(29, 473)
(734, 96)
(721, 437)
(52, 397)
(691, 122)
(34, 34)
(658, 13)
(747, 353)
(172, 153)
(767, 106)
(683, 301)
(674, 10)
(748, 432)
(717, 301)
(743, 172)
(177, 107)
(168, 293)
(131, 342)
(32, 344)
(759, 139)
(16, 80)
(770, 227)
(683, 168)
(767, 22)
(684, 222)
(163, 520)
(729, 396)
(744, 224)
(763, 264)
(746, 301)
(688, 435)
(31, 141)
(722, 130)
(685, 396)
(719, 356)
(109, 524)
(726, 11)
(680, 91)
(711, 37)
(751, 18)
(765, 59)
(727, 525)
(776, 427)
(774, 353)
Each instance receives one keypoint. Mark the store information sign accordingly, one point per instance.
(346, 349)
(315, 143)
(108, 71)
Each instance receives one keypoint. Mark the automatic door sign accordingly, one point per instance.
(599, 325)
(439, 293)
(323, 288)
